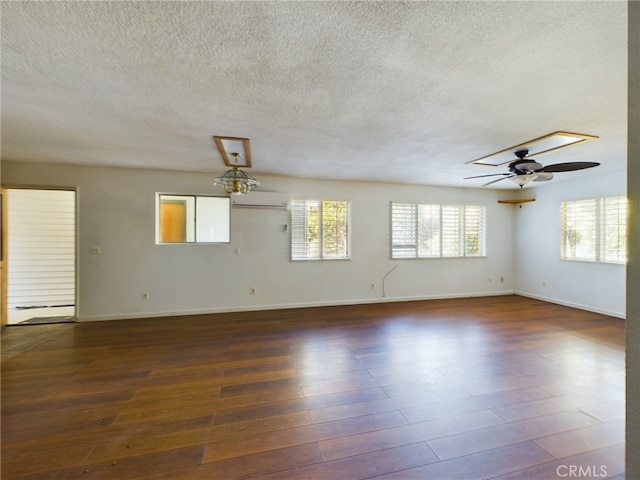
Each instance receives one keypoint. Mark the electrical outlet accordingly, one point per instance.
(501, 279)
(252, 290)
(145, 295)
(372, 285)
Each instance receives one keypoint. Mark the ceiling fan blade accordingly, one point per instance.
(494, 181)
(543, 176)
(490, 175)
(569, 166)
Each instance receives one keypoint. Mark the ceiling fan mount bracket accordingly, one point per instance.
(522, 153)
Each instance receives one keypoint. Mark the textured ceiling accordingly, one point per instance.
(378, 91)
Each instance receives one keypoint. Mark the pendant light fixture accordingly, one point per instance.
(236, 153)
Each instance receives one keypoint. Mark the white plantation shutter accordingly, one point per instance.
(474, 230)
(304, 244)
(452, 222)
(579, 230)
(613, 230)
(426, 230)
(429, 231)
(319, 230)
(595, 230)
(403, 230)
(335, 230)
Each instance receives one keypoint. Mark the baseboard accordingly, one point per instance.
(579, 306)
(285, 306)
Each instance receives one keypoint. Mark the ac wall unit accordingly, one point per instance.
(274, 200)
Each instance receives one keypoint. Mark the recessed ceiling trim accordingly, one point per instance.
(229, 146)
(537, 146)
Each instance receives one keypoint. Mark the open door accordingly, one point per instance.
(40, 261)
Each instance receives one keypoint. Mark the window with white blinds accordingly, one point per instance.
(594, 230)
(436, 231)
(319, 230)
(613, 230)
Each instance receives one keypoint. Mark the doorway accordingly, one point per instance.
(40, 262)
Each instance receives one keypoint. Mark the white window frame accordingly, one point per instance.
(436, 222)
(193, 235)
(589, 227)
(303, 248)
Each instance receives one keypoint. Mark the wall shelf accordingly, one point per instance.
(517, 200)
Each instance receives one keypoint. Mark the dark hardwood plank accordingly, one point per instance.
(458, 406)
(43, 461)
(406, 434)
(250, 466)
(508, 433)
(574, 442)
(142, 443)
(246, 445)
(546, 406)
(131, 467)
(487, 464)
(606, 462)
(362, 466)
(505, 387)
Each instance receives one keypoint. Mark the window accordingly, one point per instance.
(319, 230)
(435, 231)
(613, 230)
(192, 219)
(594, 230)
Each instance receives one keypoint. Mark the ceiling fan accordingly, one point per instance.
(525, 170)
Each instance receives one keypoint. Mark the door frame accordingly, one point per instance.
(4, 317)
(5, 247)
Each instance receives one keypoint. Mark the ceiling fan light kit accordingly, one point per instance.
(236, 153)
(522, 180)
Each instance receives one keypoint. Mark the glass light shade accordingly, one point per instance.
(236, 181)
(522, 180)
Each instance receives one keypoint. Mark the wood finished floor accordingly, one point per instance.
(483, 388)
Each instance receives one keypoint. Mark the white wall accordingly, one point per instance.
(542, 274)
(117, 213)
